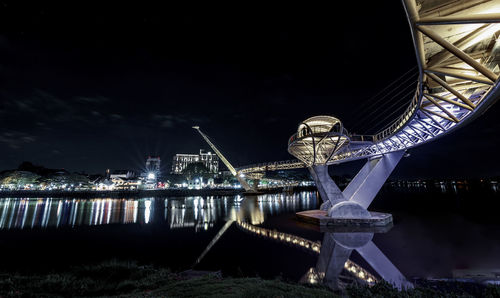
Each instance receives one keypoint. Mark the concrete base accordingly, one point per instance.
(321, 218)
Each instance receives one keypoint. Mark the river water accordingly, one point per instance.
(439, 232)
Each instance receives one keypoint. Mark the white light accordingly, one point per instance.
(151, 176)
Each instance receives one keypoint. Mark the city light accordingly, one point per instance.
(151, 176)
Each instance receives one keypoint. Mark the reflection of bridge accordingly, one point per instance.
(294, 241)
(458, 55)
(334, 253)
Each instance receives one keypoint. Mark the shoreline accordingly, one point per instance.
(90, 194)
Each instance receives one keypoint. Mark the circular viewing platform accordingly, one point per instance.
(318, 139)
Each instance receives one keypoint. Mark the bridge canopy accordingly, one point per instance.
(317, 139)
(320, 124)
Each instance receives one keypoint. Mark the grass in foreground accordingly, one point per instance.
(129, 280)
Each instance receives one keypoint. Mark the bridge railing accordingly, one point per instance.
(313, 132)
(399, 123)
(361, 138)
(302, 134)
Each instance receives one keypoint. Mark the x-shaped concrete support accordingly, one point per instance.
(362, 189)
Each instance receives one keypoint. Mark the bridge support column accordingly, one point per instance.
(328, 190)
(370, 179)
(353, 202)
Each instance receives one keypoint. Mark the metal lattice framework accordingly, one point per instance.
(318, 139)
(273, 166)
(457, 46)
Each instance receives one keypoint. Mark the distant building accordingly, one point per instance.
(126, 174)
(153, 164)
(209, 159)
(152, 171)
(121, 183)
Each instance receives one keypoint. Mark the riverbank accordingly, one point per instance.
(130, 280)
(171, 192)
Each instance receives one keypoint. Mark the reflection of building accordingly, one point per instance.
(192, 212)
(200, 213)
(30, 213)
(209, 160)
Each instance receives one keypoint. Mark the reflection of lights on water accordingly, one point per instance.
(147, 210)
(4, 211)
(59, 206)
(312, 276)
(280, 236)
(26, 213)
(136, 204)
(110, 205)
(359, 272)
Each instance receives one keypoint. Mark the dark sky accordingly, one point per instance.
(90, 86)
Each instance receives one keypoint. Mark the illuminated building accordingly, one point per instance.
(125, 174)
(209, 160)
(153, 164)
(152, 171)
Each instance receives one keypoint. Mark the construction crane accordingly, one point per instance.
(233, 171)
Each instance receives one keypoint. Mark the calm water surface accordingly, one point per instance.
(438, 232)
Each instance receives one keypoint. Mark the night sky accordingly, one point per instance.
(87, 87)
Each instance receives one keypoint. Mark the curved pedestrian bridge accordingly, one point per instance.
(457, 49)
